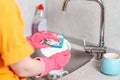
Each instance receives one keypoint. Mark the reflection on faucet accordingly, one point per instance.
(65, 5)
(100, 49)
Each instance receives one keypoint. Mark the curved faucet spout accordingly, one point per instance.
(102, 26)
(102, 29)
(100, 2)
(64, 6)
(101, 48)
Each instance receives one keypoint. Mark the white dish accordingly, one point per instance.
(49, 51)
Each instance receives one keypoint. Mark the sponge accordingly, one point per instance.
(55, 44)
(49, 51)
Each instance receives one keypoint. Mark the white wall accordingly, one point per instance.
(80, 20)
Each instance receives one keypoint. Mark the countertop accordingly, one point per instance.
(90, 71)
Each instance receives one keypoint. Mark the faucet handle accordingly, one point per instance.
(95, 50)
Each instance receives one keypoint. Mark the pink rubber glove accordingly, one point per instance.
(55, 62)
(37, 39)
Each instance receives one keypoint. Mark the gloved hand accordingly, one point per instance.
(55, 62)
(37, 39)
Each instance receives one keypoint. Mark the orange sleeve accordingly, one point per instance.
(13, 44)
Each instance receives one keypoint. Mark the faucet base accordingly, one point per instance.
(94, 50)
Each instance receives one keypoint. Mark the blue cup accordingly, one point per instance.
(110, 64)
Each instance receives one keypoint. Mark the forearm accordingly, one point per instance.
(28, 67)
(41, 66)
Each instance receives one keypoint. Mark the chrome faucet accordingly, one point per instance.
(65, 5)
(100, 49)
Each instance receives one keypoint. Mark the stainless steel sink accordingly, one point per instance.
(78, 58)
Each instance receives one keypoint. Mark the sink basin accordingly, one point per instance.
(78, 58)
